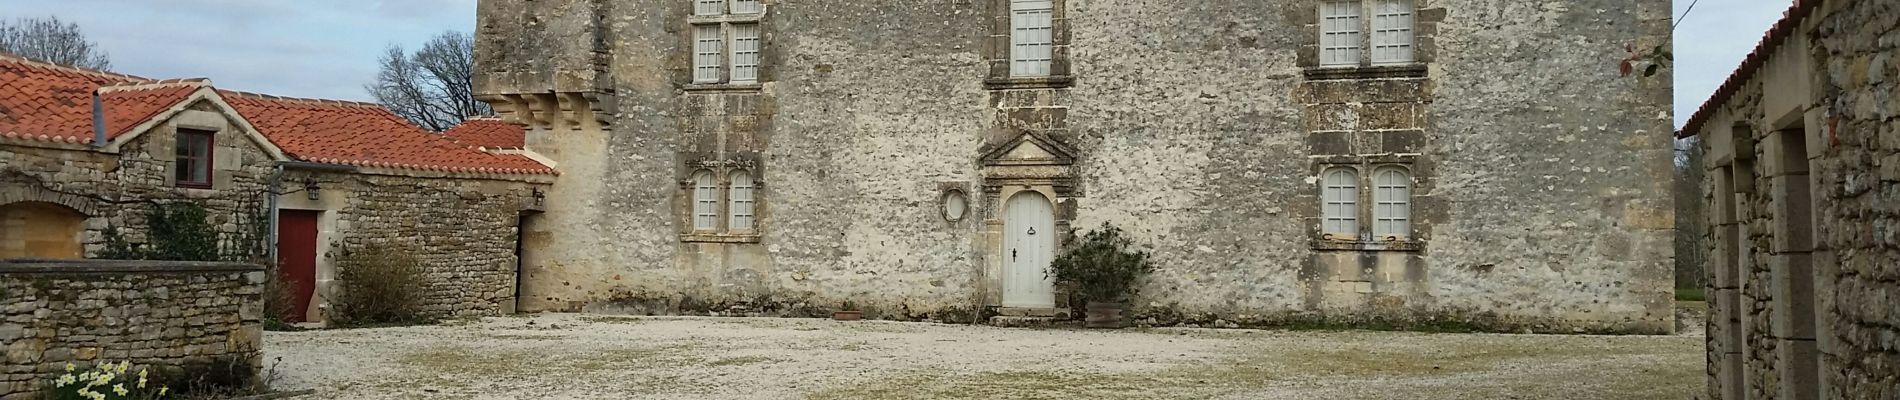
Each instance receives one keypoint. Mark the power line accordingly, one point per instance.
(1685, 15)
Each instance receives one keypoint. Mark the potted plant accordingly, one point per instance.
(1103, 267)
(847, 312)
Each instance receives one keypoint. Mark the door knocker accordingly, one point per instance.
(1032, 231)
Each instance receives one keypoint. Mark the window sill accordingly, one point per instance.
(1040, 82)
(725, 18)
(1406, 245)
(731, 238)
(195, 186)
(709, 88)
(1415, 70)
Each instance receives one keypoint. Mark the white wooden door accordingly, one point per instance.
(1028, 246)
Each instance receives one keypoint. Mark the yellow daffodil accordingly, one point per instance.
(69, 367)
(162, 390)
(120, 389)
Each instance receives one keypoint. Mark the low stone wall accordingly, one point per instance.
(177, 316)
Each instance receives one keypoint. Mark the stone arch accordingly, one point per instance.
(38, 229)
(28, 192)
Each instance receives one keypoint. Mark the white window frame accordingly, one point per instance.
(1341, 32)
(747, 7)
(1392, 32)
(1391, 203)
(709, 62)
(746, 41)
(741, 203)
(727, 41)
(1339, 202)
(1031, 38)
(705, 201)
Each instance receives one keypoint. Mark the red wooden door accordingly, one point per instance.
(297, 259)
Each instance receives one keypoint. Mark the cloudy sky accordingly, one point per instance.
(328, 48)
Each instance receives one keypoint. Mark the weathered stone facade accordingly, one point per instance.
(1540, 176)
(1804, 160)
(167, 315)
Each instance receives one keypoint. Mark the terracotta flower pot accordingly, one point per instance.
(847, 315)
(1104, 315)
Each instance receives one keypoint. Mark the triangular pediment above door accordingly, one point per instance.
(1030, 149)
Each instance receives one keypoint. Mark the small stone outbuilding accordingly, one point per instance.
(85, 155)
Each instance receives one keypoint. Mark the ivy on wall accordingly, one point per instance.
(182, 231)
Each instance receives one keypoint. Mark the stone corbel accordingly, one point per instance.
(553, 111)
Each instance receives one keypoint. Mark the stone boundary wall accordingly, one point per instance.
(176, 316)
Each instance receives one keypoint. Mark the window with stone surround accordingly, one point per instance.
(1031, 37)
(724, 198)
(726, 41)
(1028, 44)
(192, 165)
(1342, 32)
(1354, 189)
(1370, 39)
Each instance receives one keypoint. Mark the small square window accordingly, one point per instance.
(192, 166)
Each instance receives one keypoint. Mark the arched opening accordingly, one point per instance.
(1029, 245)
(32, 229)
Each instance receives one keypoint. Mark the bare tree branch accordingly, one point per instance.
(53, 41)
(433, 86)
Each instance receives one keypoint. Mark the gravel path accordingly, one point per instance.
(565, 356)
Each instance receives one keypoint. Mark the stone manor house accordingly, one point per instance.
(1404, 161)
(1803, 146)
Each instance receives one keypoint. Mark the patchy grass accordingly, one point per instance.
(1511, 366)
(612, 319)
(740, 361)
(1690, 294)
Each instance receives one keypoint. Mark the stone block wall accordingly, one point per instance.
(462, 229)
(172, 315)
(1859, 178)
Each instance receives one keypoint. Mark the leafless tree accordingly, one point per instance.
(434, 87)
(51, 40)
(1691, 211)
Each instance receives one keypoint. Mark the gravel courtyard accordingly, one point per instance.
(564, 356)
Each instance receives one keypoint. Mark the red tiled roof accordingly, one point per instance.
(46, 102)
(365, 134)
(488, 133)
(1789, 25)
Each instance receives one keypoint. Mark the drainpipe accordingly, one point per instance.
(98, 120)
(276, 188)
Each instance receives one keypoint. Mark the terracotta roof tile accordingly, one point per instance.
(487, 133)
(42, 101)
(365, 134)
(45, 102)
